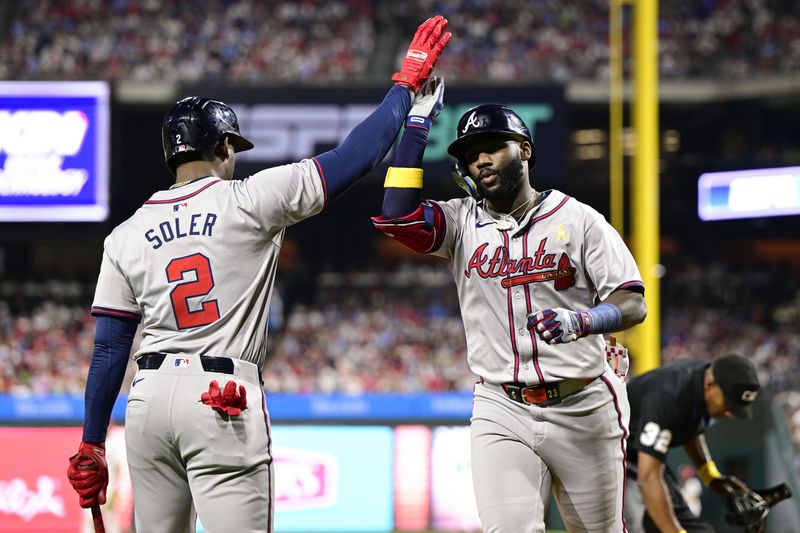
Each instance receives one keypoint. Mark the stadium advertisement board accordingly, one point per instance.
(54, 151)
(289, 125)
(450, 406)
(754, 193)
(333, 478)
(35, 495)
(326, 479)
(453, 501)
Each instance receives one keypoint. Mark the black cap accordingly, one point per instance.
(737, 378)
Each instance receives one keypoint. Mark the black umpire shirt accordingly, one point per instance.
(668, 409)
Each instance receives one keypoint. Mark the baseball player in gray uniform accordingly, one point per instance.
(540, 278)
(196, 264)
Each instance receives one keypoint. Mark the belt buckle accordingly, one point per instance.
(540, 395)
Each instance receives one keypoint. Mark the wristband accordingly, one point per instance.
(415, 121)
(708, 472)
(682, 531)
(403, 178)
(605, 318)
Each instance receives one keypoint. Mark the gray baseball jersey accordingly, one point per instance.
(562, 253)
(197, 263)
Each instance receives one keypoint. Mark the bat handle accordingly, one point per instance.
(97, 518)
(612, 340)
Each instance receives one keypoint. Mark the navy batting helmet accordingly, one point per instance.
(197, 123)
(490, 119)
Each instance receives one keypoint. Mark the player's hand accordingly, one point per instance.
(227, 401)
(88, 474)
(726, 484)
(558, 325)
(427, 104)
(617, 358)
(424, 52)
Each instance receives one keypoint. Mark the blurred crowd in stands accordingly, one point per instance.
(341, 40)
(172, 40)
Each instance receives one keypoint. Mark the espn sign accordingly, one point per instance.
(284, 133)
(288, 125)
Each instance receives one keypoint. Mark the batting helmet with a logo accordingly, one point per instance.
(489, 119)
(195, 124)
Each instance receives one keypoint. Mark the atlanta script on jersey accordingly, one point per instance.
(562, 253)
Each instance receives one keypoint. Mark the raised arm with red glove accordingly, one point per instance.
(424, 52)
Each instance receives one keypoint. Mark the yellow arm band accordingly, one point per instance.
(682, 531)
(403, 178)
(708, 472)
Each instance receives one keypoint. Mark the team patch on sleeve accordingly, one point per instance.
(422, 230)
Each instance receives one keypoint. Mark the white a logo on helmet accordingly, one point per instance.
(749, 395)
(472, 122)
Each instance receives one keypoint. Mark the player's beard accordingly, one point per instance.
(510, 182)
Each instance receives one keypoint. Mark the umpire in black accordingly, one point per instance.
(673, 406)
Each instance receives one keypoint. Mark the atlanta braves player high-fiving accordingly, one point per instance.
(530, 268)
(196, 264)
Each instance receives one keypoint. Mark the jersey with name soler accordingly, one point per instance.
(198, 262)
(668, 408)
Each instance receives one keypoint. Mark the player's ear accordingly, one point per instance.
(224, 149)
(525, 150)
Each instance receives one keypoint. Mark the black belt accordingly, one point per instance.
(153, 361)
(545, 394)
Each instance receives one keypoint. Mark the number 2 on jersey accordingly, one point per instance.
(201, 286)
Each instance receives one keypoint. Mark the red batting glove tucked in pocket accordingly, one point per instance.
(226, 401)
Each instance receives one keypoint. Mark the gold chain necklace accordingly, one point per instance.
(506, 219)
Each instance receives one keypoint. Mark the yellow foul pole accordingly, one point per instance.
(615, 157)
(646, 345)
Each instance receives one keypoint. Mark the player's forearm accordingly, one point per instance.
(400, 201)
(112, 347)
(631, 307)
(367, 144)
(658, 503)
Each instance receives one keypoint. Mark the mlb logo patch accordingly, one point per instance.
(181, 362)
(180, 207)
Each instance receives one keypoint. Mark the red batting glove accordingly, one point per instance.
(424, 52)
(88, 474)
(226, 402)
